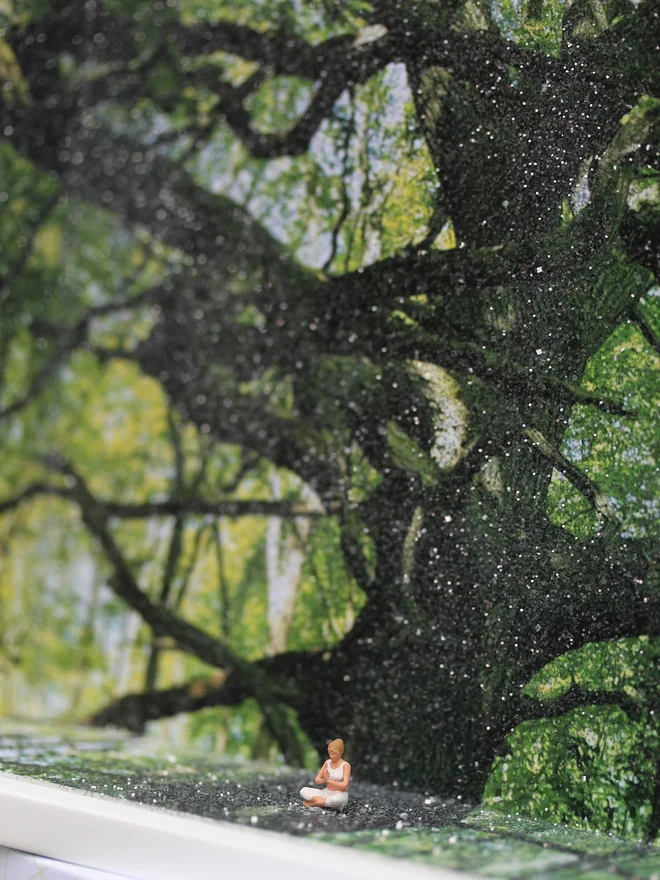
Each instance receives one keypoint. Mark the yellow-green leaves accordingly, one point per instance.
(13, 85)
(591, 767)
(535, 24)
(408, 455)
(279, 102)
(618, 453)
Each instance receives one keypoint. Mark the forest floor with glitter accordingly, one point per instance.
(425, 829)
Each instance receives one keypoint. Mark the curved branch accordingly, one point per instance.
(162, 621)
(33, 491)
(577, 697)
(593, 398)
(282, 51)
(133, 711)
(355, 67)
(294, 142)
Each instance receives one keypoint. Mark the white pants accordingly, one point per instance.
(334, 800)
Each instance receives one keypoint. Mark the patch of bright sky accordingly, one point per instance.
(581, 195)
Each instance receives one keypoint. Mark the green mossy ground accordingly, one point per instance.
(480, 842)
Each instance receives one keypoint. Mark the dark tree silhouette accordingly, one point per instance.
(471, 589)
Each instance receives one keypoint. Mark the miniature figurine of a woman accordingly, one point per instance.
(336, 774)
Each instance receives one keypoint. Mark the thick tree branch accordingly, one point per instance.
(593, 398)
(179, 506)
(294, 142)
(134, 711)
(161, 195)
(593, 591)
(286, 671)
(231, 108)
(226, 507)
(281, 51)
(156, 193)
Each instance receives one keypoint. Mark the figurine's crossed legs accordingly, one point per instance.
(321, 797)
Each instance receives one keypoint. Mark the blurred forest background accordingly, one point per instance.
(292, 337)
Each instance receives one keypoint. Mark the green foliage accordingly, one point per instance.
(315, 20)
(535, 24)
(538, 24)
(495, 844)
(65, 640)
(593, 766)
(277, 102)
(409, 456)
(329, 598)
(618, 453)
(241, 733)
(364, 189)
(627, 665)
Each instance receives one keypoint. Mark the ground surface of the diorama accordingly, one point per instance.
(435, 832)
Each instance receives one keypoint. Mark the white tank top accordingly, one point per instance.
(335, 774)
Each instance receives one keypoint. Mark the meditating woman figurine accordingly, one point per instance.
(336, 774)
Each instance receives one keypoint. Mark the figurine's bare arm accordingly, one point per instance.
(345, 779)
(322, 775)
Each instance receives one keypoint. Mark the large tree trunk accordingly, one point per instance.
(428, 684)
(475, 588)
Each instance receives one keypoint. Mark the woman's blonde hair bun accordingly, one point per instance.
(337, 745)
